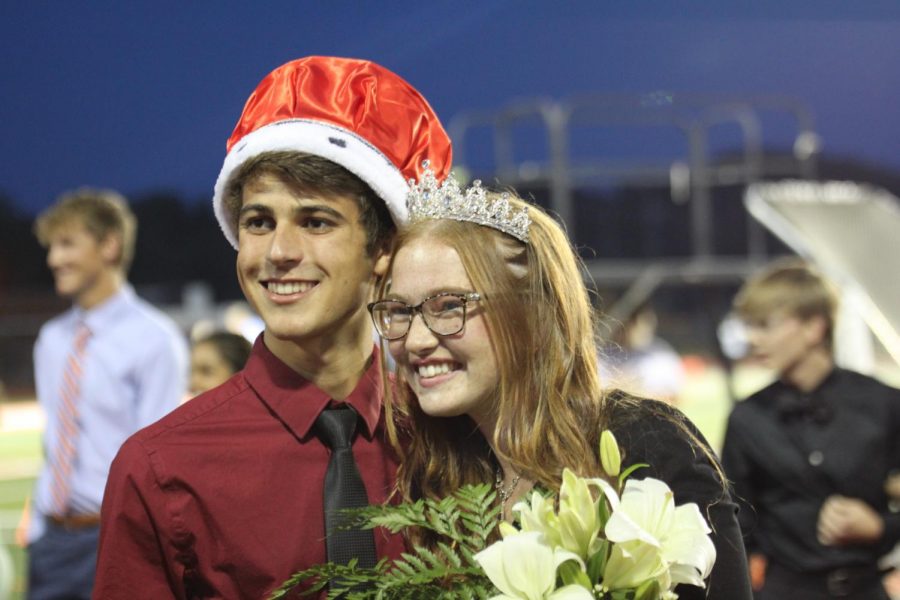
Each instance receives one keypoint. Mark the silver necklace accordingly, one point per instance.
(505, 493)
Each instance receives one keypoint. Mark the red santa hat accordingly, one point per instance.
(352, 112)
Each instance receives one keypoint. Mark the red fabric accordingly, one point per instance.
(222, 498)
(359, 96)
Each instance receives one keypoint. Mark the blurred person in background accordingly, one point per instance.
(215, 358)
(103, 369)
(810, 455)
(640, 361)
(892, 560)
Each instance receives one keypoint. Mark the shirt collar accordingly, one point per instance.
(99, 317)
(297, 402)
(815, 404)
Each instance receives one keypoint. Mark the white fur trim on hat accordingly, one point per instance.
(322, 139)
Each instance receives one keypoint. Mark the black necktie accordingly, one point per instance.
(344, 488)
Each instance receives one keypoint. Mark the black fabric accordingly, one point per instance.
(343, 489)
(847, 584)
(787, 451)
(654, 433)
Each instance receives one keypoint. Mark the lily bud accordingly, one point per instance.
(610, 457)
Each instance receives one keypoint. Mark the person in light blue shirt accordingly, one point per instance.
(107, 367)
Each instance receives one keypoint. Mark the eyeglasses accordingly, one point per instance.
(443, 314)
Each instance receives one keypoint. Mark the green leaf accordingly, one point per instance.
(596, 564)
(627, 472)
(649, 590)
(450, 555)
(570, 572)
(466, 520)
(603, 513)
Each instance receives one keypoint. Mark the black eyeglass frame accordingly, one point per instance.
(464, 297)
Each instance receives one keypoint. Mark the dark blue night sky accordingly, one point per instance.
(141, 96)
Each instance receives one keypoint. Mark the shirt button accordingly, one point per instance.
(816, 458)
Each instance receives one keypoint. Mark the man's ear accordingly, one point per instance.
(111, 249)
(816, 329)
(382, 261)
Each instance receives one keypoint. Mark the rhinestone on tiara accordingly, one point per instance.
(429, 200)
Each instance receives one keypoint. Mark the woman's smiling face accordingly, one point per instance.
(451, 375)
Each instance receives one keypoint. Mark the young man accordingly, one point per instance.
(811, 453)
(104, 369)
(227, 496)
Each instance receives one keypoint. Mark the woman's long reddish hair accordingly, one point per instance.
(541, 325)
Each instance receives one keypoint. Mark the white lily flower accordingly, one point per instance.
(647, 524)
(579, 519)
(507, 529)
(690, 550)
(538, 516)
(577, 526)
(632, 563)
(523, 567)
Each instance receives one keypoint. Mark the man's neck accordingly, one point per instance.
(335, 365)
(104, 289)
(808, 374)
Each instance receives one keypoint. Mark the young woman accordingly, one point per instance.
(215, 358)
(492, 331)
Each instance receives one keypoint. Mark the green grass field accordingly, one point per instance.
(20, 455)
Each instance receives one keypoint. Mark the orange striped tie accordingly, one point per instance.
(67, 417)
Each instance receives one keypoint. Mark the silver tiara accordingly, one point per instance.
(429, 200)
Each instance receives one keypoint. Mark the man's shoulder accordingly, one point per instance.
(862, 381)
(864, 394)
(200, 413)
(150, 317)
(56, 323)
(139, 329)
(758, 405)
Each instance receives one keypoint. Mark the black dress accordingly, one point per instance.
(649, 432)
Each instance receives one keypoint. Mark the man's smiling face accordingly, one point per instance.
(302, 260)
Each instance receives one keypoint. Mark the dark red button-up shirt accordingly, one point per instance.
(222, 498)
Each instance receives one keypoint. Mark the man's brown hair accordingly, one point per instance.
(792, 287)
(318, 177)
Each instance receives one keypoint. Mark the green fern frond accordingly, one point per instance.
(466, 518)
(450, 555)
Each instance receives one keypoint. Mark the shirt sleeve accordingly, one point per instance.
(692, 472)
(131, 561)
(39, 356)
(162, 379)
(891, 535)
(738, 469)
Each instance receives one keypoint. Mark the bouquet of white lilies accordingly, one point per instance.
(596, 541)
(631, 543)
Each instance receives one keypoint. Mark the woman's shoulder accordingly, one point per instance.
(631, 417)
(661, 436)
